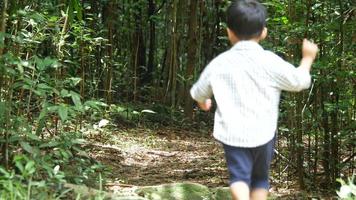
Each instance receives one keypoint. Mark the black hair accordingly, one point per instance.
(246, 18)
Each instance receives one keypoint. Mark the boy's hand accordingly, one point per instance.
(309, 50)
(206, 105)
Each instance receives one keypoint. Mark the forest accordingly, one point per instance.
(95, 103)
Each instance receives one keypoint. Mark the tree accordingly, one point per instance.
(192, 55)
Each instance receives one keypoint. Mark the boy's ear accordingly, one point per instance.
(264, 33)
(232, 37)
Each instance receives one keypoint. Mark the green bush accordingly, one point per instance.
(347, 190)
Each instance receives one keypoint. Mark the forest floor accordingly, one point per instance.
(139, 157)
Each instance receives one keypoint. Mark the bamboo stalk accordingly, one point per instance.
(3, 22)
(3, 30)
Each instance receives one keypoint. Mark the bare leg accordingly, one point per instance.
(240, 191)
(259, 194)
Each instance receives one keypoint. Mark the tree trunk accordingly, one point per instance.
(172, 56)
(4, 133)
(326, 142)
(152, 41)
(139, 53)
(192, 56)
(109, 20)
(300, 143)
(335, 100)
(2, 40)
(3, 24)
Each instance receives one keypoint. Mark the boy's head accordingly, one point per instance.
(246, 20)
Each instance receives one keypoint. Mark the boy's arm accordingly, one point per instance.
(309, 54)
(286, 77)
(205, 105)
(201, 91)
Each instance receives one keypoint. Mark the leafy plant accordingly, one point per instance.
(347, 190)
(42, 150)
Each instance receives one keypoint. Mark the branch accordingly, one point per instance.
(349, 158)
(160, 7)
(285, 159)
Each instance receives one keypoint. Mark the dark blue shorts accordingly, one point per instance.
(250, 165)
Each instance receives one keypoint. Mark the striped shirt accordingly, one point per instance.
(246, 82)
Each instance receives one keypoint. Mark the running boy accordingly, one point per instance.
(246, 82)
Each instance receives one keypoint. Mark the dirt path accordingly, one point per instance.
(148, 157)
(143, 157)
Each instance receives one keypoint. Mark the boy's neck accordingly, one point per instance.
(235, 39)
(257, 40)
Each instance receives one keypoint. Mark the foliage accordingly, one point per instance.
(41, 150)
(60, 60)
(347, 190)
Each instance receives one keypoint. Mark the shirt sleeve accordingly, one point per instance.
(287, 77)
(202, 89)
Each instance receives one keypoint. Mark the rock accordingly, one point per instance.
(128, 198)
(222, 193)
(174, 191)
(178, 191)
(89, 193)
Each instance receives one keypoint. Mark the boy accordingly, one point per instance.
(246, 82)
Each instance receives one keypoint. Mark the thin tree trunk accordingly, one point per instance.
(3, 23)
(192, 56)
(300, 143)
(140, 53)
(174, 54)
(335, 100)
(171, 57)
(2, 40)
(326, 142)
(109, 68)
(4, 133)
(299, 118)
(152, 41)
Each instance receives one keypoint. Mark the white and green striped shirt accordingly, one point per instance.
(246, 82)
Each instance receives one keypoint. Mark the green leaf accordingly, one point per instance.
(148, 111)
(39, 184)
(4, 172)
(78, 9)
(44, 86)
(64, 93)
(41, 125)
(27, 147)
(76, 99)
(70, 11)
(3, 110)
(94, 105)
(79, 141)
(63, 112)
(43, 64)
(20, 68)
(19, 164)
(33, 137)
(2, 39)
(74, 81)
(49, 61)
(38, 92)
(50, 144)
(43, 112)
(14, 138)
(52, 108)
(30, 167)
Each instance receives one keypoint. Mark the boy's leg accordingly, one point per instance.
(260, 174)
(239, 162)
(240, 191)
(259, 194)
